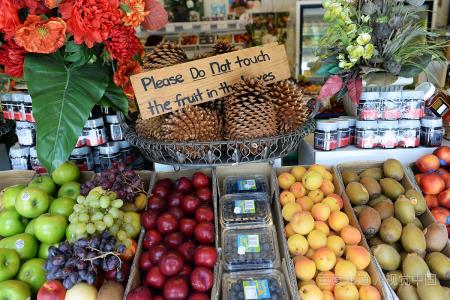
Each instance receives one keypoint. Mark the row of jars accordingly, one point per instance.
(391, 105)
(17, 106)
(386, 134)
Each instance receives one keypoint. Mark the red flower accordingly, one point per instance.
(12, 57)
(90, 21)
(34, 7)
(51, 3)
(123, 73)
(123, 43)
(9, 18)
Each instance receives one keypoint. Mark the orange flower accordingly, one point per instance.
(51, 3)
(123, 73)
(41, 36)
(134, 12)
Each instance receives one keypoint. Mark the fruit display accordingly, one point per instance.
(389, 211)
(179, 253)
(326, 251)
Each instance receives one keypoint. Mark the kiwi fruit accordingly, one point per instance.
(391, 188)
(420, 205)
(392, 168)
(413, 239)
(404, 210)
(390, 230)
(431, 292)
(407, 292)
(370, 221)
(388, 258)
(385, 209)
(382, 197)
(394, 278)
(414, 268)
(439, 264)
(358, 209)
(357, 193)
(375, 240)
(418, 223)
(349, 176)
(436, 236)
(372, 186)
(376, 173)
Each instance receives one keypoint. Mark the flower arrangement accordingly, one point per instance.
(373, 40)
(73, 54)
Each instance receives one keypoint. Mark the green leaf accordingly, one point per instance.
(115, 98)
(77, 54)
(62, 100)
(125, 7)
(324, 69)
(380, 78)
(420, 64)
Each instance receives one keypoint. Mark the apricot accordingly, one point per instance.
(322, 226)
(350, 235)
(316, 196)
(362, 278)
(369, 292)
(359, 256)
(327, 295)
(305, 269)
(285, 180)
(326, 280)
(346, 291)
(289, 210)
(338, 220)
(298, 190)
(286, 197)
(307, 282)
(310, 253)
(336, 244)
(298, 172)
(297, 244)
(327, 187)
(320, 212)
(339, 200)
(288, 230)
(305, 202)
(317, 239)
(312, 180)
(345, 271)
(322, 171)
(310, 292)
(302, 222)
(332, 203)
(324, 258)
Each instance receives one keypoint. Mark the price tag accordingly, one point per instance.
(222, 25)
(170, 27)
(187, 26)
(205, 27)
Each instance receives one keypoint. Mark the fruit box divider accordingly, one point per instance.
(12, 177)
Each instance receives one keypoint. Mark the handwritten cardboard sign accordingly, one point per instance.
(169, 89)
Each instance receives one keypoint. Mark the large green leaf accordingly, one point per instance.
(115, 98)
(62, 100)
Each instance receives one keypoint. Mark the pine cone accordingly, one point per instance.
(292, 109)
(150, 128)
(221, 47)
(165, 54)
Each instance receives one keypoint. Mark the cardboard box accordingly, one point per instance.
(12, 177)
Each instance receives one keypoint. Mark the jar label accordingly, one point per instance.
(247, 185)
(256, 289)
(325, 141)
(244, 207)
(248, 243)
(391, 114)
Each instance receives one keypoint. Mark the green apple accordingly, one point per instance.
(11, 223)
(49, 228)
(30, 227)
(32, 202)
(9, 195)
(43, 249)
(70, 189)
(44, 183)
(132, 218)
(66, 172)
(62, 206)
(25, 245)
(9, 263)
(14, 290)
(32, 272)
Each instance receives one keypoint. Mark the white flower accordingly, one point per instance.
(190, 4)
(363, 39)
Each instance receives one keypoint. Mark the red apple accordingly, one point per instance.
(173, 240)
(204, 194)
(204, 214)
(199, 296)
(443, 153)
(156, 203)
(148, 219)
(186, 272)
(446, 177)
(432, 201)
(167, 223)
(189, 204)
(200, 180)
(159, 297)
(174, 198)
(202, 279)
(140, 293)
(155, 278)
(205, 256)
(156, 253)
(177, 212)
(161, 191)
(167, 182)
(183, 185)
(151, 238)
(444, 198)
(51, 290)
(428, 163)
(187, 251)
(432, 184)
(187, 226)
(176, 289)
(145, 262)
(171, 263)
(204, 233)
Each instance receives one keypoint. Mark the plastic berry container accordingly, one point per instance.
(245, 184)
(245, 210)
(260, 285)
(250, 248)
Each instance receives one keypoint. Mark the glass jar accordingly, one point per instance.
(351, 128)
(369, 106)
(343, 133)
(366, 134)
(107, 111)
(391, 103)
(114, 129)
(7, 106)
(96, 157)
(19, 156)
(17, 105)
(27, 112)
(81, 142)
(35, 163)
(94, 132)
(413, 105)
(409, 133)
(82, 157)
(110, 155)
(96, 113)
(325, 135)
(26, 133)
(387, 134)
(127, 152)
(431, 132)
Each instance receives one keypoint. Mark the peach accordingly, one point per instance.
(346, 291)
(310, 253)
(440, 214)
(305, 202)
(443, 153)
(307, 282)
(288, 230)
(428, 163)
(432, 184)
(332, 203)
(339, 200)
(286, 197)
(312, 180)
(310, 292)
(362, 278)
(350, 235)
(446, 178)
(432, 201)
(322, 171)
(418, 177)
(326, 280)
(359, 256)
(285, 180)
(369, 292)
(336, 244)
(324, 258)
(322, 226)
(297, 244)
(444, 198)
(298, 190)
(345, 271)
(338, 220)
(305, 269)
(327, 187)
(328, 295)
(302, 222)
(289, 210)
(441, 171)
(317, 239)
(295, 258)
(316, 196)
(320, 212)
(298, 172)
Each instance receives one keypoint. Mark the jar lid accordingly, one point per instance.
(18, 150)
(81, 151)
(409, 124)
(412, 94)
(5, 97)
(24, 125)
(112, 119)
(124, 144)
(94, 123)
(326, 125)
(391, 95)
(27, 98)
(351, 120)
(109, 148)
(431, 122)
(388, 124)
(366, 124)
(16, 97)
(428, 88)
(370, 96)
(341, 123)
(33, 152)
